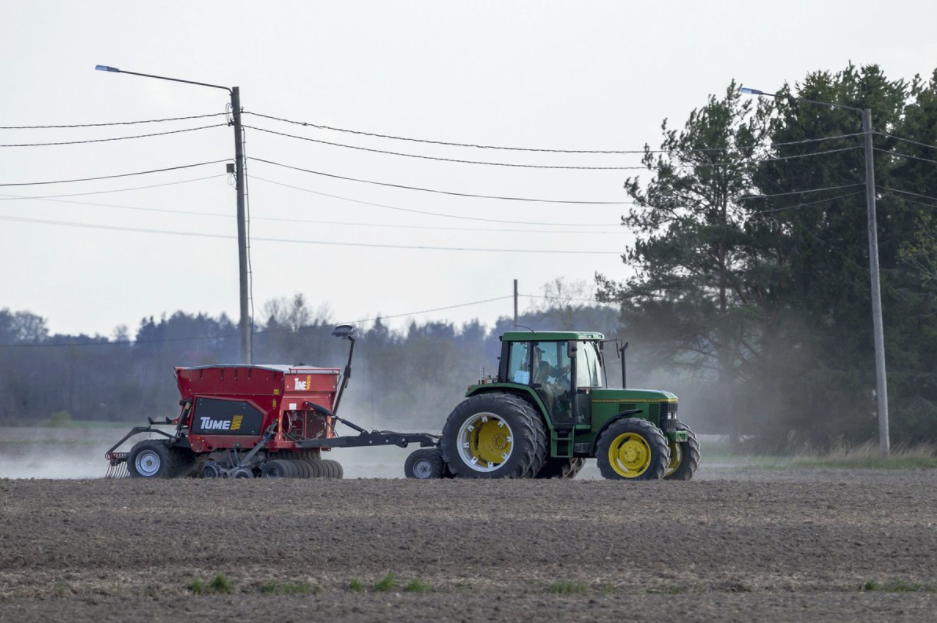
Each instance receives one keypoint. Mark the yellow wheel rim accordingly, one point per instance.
(485, 442)
(676, 457)
(629, 455)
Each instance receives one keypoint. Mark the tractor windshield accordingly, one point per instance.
(589, 366)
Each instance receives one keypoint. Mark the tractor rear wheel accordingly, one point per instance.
(632, 449)
(563, 469)
(153, 459)
(424, 464)
(494, 435)
(684, 456)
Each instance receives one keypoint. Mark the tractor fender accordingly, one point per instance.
(618, 416)
(521, 391)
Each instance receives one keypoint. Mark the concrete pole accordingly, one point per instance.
(245, 322)
(881, 379)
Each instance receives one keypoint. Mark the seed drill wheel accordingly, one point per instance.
(425, 464)
(494, 436)
(632, 449)
(331, 469)
(155, 459)
(684, 456)
(278, 468)
(563, 469)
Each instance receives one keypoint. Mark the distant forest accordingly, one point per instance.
(748, 291)
(409, 379)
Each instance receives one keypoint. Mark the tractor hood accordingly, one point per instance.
(632, 395)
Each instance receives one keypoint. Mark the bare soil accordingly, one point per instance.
(739, 546)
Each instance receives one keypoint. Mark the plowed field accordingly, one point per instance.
(740, 546)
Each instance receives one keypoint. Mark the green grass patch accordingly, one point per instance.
(898, 586)
(285, 588)
(356, 585)
(60, 589)
(220, 584)
(568, 587)
(416, 585)
(385, 584)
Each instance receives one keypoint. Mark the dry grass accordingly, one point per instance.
(868, 456)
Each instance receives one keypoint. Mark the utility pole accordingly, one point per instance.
(515, 304)
(235, 92)
(246, 355)
(881, 385)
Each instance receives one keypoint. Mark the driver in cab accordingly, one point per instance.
(549, 378)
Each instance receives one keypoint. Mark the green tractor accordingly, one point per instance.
(550, 408)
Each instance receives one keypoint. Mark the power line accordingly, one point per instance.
(528, 149)
(904, 155)
(108, 192)
(906, 192)
(810, 203)
(426, 311)
(310, 242)
(906, 200)
(314, 221)
(441, 159)
(427, 213)
(114, 138)
(110, 177)
(537, 166)
(112, 123)
(799, 192)
(439, 192)
(906, 140)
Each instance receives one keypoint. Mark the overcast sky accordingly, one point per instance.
(566, 75)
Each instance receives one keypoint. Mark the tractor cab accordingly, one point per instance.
(562, 369)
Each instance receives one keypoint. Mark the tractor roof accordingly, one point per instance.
(550, 336)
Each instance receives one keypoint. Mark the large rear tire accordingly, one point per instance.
(153, 459)
(563, 469)
(684, 456)
(494, 435)
(632, 449)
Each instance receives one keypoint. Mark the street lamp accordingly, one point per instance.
(878, 329)
(245, 324)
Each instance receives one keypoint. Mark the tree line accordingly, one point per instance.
(751, 263)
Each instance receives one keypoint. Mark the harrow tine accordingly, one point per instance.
(117, 471)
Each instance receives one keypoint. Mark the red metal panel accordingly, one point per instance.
(279, 392)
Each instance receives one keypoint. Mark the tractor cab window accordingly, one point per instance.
(518, 363)
(589, 366)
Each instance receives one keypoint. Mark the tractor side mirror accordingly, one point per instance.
(344, 331)
(571, 349)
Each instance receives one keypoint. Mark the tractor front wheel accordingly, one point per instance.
(153, 459)
(632, 449)
(684, 456)
(494, 436)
